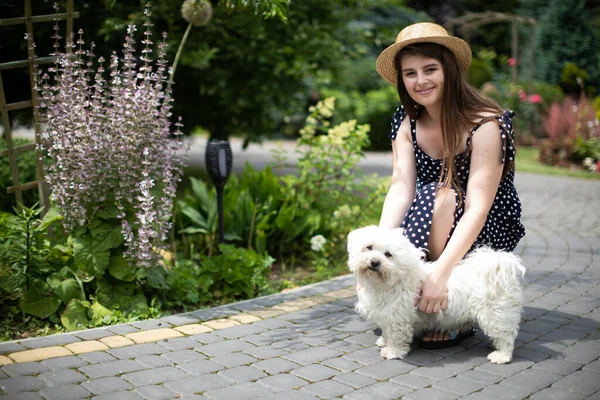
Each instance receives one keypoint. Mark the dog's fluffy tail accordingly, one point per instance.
(505, 271)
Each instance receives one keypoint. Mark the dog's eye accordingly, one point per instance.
(369, 247)
(387, 254)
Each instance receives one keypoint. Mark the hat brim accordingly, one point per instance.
(386, 67)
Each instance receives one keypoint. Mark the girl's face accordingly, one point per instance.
(423, 78)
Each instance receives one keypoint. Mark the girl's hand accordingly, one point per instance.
(434, 293)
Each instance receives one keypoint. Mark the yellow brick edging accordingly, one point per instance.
(156, 335)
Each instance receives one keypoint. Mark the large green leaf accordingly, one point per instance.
(88, 258)
(156, 278)
(195, 216)
(66, 285)
(120, 268)
(75, 316)
(107, 236)
(99, 311)
(39, 300)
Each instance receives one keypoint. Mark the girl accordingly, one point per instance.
(453, 162)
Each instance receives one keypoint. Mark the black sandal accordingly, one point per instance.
(455, 340)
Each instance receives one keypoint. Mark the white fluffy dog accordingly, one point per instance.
(485, 289)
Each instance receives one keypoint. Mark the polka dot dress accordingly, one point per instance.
(502, 229)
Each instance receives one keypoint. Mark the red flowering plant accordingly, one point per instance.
(112, 147)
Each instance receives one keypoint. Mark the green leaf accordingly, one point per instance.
(88, 258)
(195, 217)
(108, 212)
(39, 300)
(75, 317)
(107, 236)
(99, 311)
(66, 285)
(50, 218)
(120, 268)
(156, 278)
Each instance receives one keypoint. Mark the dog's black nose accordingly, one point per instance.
(374, 265)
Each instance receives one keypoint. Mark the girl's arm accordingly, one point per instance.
(484, 178)
(404, 177)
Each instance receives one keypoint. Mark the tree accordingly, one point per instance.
(565, 35)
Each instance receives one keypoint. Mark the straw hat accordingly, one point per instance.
(423, 32)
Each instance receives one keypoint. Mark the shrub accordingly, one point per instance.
(111, 142)
(480, 72)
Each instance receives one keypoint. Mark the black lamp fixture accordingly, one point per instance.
(219, 161)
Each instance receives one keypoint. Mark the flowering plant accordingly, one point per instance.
(110, 142)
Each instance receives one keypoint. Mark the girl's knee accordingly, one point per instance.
(445, 201)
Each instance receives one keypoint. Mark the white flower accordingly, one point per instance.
(588, 162)
(317, 242)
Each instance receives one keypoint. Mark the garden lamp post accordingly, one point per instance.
(219, 160)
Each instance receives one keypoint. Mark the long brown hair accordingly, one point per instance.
(461, 105)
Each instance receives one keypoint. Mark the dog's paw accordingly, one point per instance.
(392, 353)
(380, 342)
(498, 357)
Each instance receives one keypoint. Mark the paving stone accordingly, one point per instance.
(119, 396)
(562, 367)
(242, 374)
(183, 356)
(87, 346)
(302, 315)
(365, 356)
(282, 382)
(227, 346)
(383, 370)
(180, 319)
(312, 355)
(412, 381)
(67, 392)
(480, 376)
(155, 376)
(314, 372)
(116, 341)
(364, 339)
(582, 382)
(11, 347)
(122, 329)
(563, 335)
(592, 367)
(201, 367)
(153, 361)
(111, 368)
(213, 313)
(502, 391)
(21, 384)
(379, 391)
(244, 318)
(354, 380)
(531, 353)
(345, 347)
(26, 368)
(151, 324)
(232, 360)
(63, 377)
(265, 352)
(430, 394)
(291, 345)
(422, 358)
(244, 391)
(272, 323)
(202, 383)
(106, 385)
(357, 326)
(137, 350)
(327, 389)
(342, 364)
(40, 354)
(178, 343)
(64, 362)
(93, 358)
(93, 334)
(582, 353)
(153, 335)
(290, 395)
(458, 386)
(275, 365)
(3, 375)
(556, 394)
(49, 341)
(239, 331)
(505, 370)
(155, 392)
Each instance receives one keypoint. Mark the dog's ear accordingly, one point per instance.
(397, 234)
(357, 237)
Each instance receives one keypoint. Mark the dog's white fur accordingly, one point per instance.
(485, 289)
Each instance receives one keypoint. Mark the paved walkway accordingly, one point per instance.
(309, 343)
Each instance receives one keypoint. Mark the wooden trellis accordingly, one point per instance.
(17, 187)
(471, 21)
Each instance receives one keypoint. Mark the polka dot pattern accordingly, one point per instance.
(502, 229)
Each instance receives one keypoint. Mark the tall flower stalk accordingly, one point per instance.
(111, 141)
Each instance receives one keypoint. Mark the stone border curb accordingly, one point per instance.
(174, 326)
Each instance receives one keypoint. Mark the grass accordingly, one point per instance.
(527, 161)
